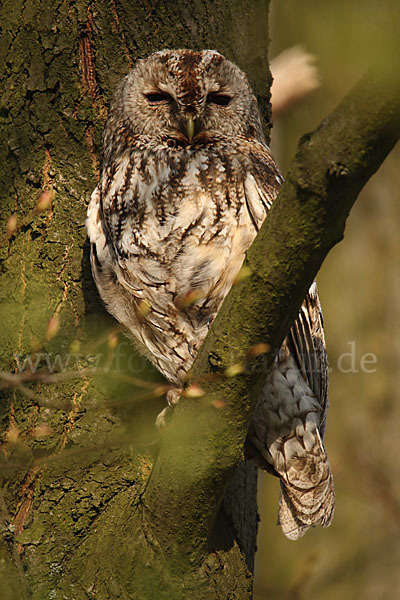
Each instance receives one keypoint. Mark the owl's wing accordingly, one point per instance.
(289, 420)
(105, 262)
(306, 342)
(263, 181)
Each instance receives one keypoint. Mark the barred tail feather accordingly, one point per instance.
(307, 493)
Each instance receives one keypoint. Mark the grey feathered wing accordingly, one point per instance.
(288, 424)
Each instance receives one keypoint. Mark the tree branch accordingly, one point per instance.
(205, 441)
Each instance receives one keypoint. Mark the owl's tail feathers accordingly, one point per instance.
(307, 494)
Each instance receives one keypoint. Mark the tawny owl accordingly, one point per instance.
(186, 181)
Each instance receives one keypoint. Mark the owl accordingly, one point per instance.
(186, 182)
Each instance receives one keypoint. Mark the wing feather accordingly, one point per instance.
(285, 436)
(306, 339)
(306, 342)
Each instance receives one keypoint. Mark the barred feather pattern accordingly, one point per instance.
(186, 181)
(289, 436)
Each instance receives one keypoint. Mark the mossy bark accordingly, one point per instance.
(76, 454)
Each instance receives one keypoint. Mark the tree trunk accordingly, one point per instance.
(78, 447)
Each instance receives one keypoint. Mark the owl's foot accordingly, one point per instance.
(165, 415)
(173, 396)
(210, 320)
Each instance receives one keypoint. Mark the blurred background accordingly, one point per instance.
(358, 557)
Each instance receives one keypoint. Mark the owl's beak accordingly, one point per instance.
(189, 127)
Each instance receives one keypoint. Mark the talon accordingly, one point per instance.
(163, 417)
(210, 320)
(173, 397)
(192, 348)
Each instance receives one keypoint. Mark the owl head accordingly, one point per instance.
(187, 96)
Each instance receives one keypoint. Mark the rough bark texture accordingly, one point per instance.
(75, 457)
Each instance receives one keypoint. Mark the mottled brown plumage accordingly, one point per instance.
(186, 181)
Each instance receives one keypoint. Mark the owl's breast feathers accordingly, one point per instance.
(171, 224)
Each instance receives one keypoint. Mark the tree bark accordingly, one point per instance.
(76, 452)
